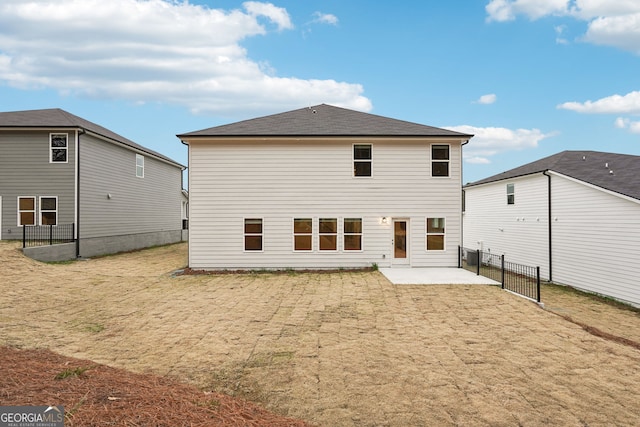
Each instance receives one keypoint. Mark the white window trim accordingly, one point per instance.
(361, 234)
(35, 210)
(244, 247)
(41, 210)
(139, 157)
(427, 234)
(51, 148)
(513, 193)
(337, 234)
(294, 234)
(439, 160)
(354, 160)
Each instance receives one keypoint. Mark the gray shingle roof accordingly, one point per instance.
(323, 120)
(56, 118)
(619, 173)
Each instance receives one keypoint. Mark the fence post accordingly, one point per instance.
(538, 282)
(459, 256)
(502, 268)
(24, 236)
(50, 234)
(478, 262)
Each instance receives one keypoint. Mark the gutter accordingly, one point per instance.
(544, 172)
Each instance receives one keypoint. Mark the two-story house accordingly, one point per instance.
(324, 187)
(57, 168)
(576, 214)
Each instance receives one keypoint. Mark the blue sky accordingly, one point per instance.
(529, 78)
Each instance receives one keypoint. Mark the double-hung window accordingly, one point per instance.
(302, 234)
(253, 234)
(362, 159)
(435, 234)
(328, 234)
(48, 211)
(353, 234)
(58, 147)
(440, 156)
(139, 166)
(511, 194)
(26, 211)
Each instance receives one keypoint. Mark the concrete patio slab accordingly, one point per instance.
(434, 276)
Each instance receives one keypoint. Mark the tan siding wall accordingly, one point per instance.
(596, 240)
(280, 181)
(519, 231)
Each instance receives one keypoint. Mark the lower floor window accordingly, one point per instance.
(253, 234)
(328, 232)
(48, 211)
(353, 234)
(435, 234)
(26, 211)
(302, 234)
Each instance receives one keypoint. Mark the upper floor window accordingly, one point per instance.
(58, 148)
(253, 234)
(26, 211)
(511, 194)
(48, 210)
(139, 166)
(353, 234)
(362, 160)
(302, 234)
(440, 160)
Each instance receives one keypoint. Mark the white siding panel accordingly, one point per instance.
(596, 240)
(280, 181)
(519, 231)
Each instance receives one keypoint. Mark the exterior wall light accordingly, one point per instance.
(384, 220)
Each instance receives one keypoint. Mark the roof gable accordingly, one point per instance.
(323, 120)
(56, 118)
(619, 173)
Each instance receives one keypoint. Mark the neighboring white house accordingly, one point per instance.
(575, 214)
(324, 187)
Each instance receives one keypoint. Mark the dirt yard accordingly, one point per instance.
(340, 349)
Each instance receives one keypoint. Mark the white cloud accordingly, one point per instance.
(489, 141)
(624, 123)
(487, 99)
(610, 23)
(325, 18)
(155, 51)
(614, 104)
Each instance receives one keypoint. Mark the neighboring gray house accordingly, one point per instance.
(575, 214)
(324, 187)
(57, 168)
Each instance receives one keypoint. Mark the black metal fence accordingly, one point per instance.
(518, 278)
(43, 235)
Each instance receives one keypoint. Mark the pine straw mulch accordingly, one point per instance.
(98, 395)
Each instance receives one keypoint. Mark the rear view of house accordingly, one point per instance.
(61, 170)
(324, 187)
(575, 214)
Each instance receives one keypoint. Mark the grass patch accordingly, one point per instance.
(592, 296)
(68, 373)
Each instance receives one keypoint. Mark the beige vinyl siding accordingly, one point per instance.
(519, 231)
(137, 205)
(596, 240)
(279, 181)
(25, 170)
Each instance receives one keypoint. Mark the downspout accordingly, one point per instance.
(461, 204)
(79, 132)
(549, 221)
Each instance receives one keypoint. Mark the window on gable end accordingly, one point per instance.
(139, 166)
(58, 145)
(511, 194)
